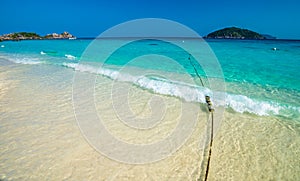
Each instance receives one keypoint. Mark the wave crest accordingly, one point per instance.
(189, 93)
(25, 60)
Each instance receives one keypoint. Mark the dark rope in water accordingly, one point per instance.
(195, 70)
(211, 110)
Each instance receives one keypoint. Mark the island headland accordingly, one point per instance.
(237, 33)
(34, 36)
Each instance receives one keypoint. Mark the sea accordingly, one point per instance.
(54, 92)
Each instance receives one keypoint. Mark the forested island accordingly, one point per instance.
(34, 36)
(225, 33)
(237, 33)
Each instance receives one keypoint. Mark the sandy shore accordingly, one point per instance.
(41, 140)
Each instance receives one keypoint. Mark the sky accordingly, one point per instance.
(89, 18)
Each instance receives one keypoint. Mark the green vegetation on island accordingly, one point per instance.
(21, 36)
(25, 34)
(236, 33)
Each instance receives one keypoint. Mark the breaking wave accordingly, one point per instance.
(190, 93)
(24, 60)
(70, 57)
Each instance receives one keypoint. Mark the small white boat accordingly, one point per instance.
(72, 38)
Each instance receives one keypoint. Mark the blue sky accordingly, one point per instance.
(90, 17)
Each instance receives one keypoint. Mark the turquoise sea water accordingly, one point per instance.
(259, 80)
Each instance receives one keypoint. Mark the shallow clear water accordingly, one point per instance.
(258, 138)
(258, 79)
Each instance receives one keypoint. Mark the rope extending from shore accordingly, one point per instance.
(195, 70)
(211, 110)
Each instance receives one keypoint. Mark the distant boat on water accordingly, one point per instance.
(72, 38)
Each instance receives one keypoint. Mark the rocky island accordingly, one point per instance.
(34, 36)
(237, 33)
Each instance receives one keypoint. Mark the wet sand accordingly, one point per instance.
(41, 140)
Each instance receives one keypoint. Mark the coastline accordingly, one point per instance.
(41, 139)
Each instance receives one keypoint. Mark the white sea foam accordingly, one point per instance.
(70, 57)
(88, 68)
(42, 53)
(241, 103)
(190, 93)
(2, 46)
(173, 88)
(24, 60)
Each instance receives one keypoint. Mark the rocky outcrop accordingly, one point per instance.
(33, 36)
(64, 35)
